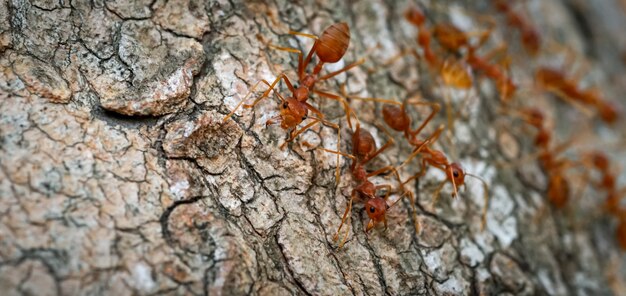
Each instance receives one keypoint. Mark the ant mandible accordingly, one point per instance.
(329, 48)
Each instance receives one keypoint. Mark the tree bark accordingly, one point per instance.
(118, 176)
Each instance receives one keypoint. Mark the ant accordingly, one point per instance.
(364, 150)
(600, 162)
(454, 39)
(396, 116)
(416, 17)
(567, 89)
(558, 190)
(329, 48)
(504, 84)
(530, 37)
(455, 174)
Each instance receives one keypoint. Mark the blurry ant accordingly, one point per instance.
(558, 190)
(364, 150)
(329, 48)
(600, 162)
(567, 89)
(416, 17)
(530, 38)
(504, 84)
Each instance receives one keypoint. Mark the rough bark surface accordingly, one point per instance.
(117, 175)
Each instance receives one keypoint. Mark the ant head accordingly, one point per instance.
(608, 181)
(292, 113)
(415, 16)
(599, 160)
(609, 112)
(535, 116)
(395, 117)
(542, 139)
(449, 36)
(456, 173)
(558, 190)
(501, 5)
(333, 43)
(376, 208)
(531, 41)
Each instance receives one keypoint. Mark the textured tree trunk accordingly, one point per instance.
(118, 176)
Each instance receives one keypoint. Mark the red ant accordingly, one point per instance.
(364, 150)
(416, 17)
(453, 39)
(455, 174)
(600, 161)
(567, 89)
(329, 48)
(396, 116)
(558, 191)
(504, 84)
(531, 40)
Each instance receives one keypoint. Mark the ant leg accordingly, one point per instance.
(345, 216)
(303, 64)
(335, 97)
(436, 198)
(435, 109)
(337, 169)
(486, 199)
(414, 210)
(401, 54)
(271, 87)
(338, 153)
(293, 135)
(292, 50)
(379, 100)
(425, 143)
(344, 69)
(303, 35)
(246, 97)
(455, 193)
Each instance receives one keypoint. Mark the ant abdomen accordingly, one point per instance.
(333, 43)
(363, 143)
(558, 191)
(395, 117)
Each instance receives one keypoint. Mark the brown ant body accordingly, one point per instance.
(416, 17)
(530, 38)
(556, 81)
(329, 48)
(600, 162)
(558, 190)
